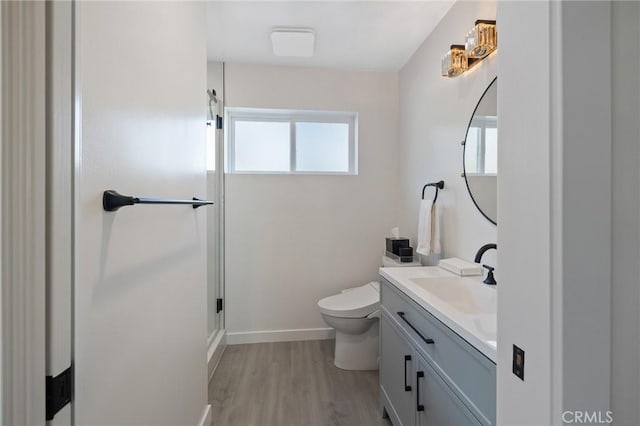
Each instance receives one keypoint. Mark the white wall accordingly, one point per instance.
(625, 249)
(434, 114)
(554, 209)
(586, 226)
(292, 240)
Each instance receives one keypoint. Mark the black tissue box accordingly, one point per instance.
(405, 256)
(405, 251)
(395, 244)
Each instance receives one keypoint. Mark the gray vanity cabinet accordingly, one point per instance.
(397, 373)
(439, 405)
(429, 375)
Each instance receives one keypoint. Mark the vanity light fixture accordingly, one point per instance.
(480, 41)
(455, 61)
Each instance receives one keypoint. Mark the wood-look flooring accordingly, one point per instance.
(291, 384)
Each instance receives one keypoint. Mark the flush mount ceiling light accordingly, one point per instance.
(292, 42)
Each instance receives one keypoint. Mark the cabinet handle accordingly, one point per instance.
(427, 340)
(419, 375)
(407, 388)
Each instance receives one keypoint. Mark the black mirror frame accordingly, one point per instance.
(464, 171)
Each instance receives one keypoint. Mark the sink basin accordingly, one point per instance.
(464, 304)
(461, 294)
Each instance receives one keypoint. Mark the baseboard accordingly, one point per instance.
(280, 335)
(206, 416)
(216, 349)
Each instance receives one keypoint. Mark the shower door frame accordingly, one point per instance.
(216, 338)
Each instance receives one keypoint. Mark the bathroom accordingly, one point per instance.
(294, 239)
(508, 176)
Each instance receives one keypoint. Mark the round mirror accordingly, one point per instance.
(480, 155)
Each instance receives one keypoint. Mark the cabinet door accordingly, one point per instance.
(435, 402)
(397, 366)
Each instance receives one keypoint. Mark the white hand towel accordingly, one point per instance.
(435, 230)
(428, 228)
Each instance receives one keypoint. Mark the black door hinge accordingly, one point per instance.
(218, 122)
(59, 391)
(218, 305)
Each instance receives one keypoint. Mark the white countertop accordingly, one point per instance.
(464, 304)
(388, 262)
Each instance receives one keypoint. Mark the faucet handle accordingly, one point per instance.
(491, 280)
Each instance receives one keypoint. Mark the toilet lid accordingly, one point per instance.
(355, 303)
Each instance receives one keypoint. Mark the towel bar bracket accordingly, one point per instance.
(438, 185)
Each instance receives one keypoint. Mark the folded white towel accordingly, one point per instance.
(428, 228)
(460, 267)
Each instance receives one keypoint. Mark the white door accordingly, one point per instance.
(140, 272)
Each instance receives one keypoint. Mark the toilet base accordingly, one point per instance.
(358, 351)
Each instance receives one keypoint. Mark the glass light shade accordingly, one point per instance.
(455, 62)
(481, 40)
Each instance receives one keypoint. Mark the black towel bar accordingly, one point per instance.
(437, 185)
(112, 201)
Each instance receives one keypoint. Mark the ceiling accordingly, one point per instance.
(378, 35)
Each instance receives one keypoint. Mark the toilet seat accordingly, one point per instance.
(354, 303)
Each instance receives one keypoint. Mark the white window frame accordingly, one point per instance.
(483, 122)
(233, 114)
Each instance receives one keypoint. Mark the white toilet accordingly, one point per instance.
(354, 314)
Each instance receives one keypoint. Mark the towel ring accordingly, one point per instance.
(438, 185)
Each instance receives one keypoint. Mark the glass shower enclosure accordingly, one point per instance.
(215, 219)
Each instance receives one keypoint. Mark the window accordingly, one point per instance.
(481, 146)
(287, 142)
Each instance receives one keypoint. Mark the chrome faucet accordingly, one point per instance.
(490, 278)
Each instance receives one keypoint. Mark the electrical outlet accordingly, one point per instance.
(518, 362)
